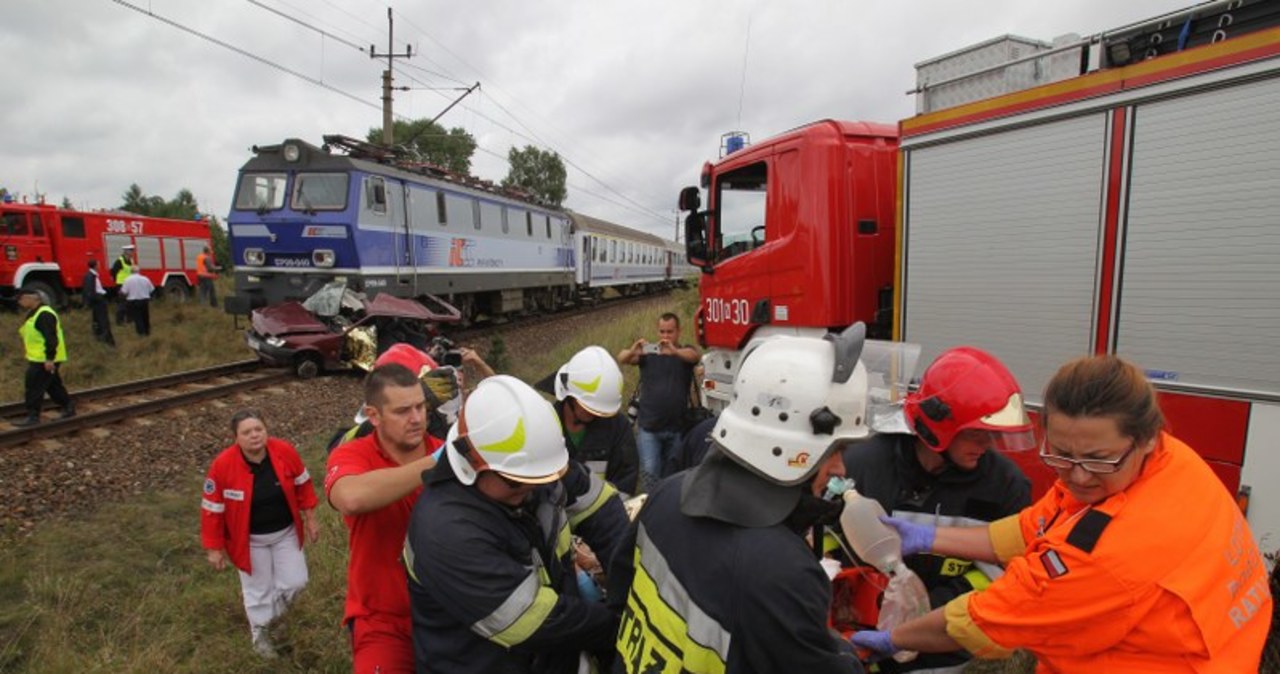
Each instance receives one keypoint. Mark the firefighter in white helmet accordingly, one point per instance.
(721, 579)
(491, 576)
(588, 393)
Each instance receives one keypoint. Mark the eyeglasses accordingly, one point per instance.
(1096, 466)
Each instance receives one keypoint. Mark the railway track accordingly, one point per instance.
(112, 404)
(470, 335)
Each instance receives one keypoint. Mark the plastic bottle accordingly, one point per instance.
(873, 541)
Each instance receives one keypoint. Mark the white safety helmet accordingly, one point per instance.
(506, 427)
(592, 378)
(794, 400)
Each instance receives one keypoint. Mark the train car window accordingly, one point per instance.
(15, 224)
(506, 221)
(528, 223)
(741, 200)
(375, 194)
(441, 209)
(548, 217)
(320, 192)
(261, 192)
(475, 213)
(72, 228)
(613, 251)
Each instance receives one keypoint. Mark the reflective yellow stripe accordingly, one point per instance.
(586, 505)
(977, 579)
(1006, 538)
(529, 621)
(563, 541)
(662, 629)
(952, 567)
(960, 626)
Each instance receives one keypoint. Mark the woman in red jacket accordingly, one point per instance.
(257, 510)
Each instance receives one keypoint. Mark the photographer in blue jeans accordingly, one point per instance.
(666, 376)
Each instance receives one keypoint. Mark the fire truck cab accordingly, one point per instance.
(784, 248)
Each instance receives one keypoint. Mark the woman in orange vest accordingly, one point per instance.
(1136, 560)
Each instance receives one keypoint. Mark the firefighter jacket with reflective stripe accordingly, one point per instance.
(1161, 577)
(493, 588)
(703, 596)
(608, 447)
(886, 468)
(42, 336)
(228, 495)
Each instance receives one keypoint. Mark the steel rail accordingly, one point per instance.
(18, 409)
(85, 420)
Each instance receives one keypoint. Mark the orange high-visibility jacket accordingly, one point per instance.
(1162, 577)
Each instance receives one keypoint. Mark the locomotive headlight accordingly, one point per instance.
(254, 257)
(323, 257)
(291, 152)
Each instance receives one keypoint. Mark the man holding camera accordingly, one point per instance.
(666, 380)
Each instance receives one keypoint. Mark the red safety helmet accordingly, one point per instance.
(408, 356)
(968, 388)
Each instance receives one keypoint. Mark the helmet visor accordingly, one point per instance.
(541, 479)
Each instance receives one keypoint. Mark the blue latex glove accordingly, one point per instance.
(916, 538)
(876, 641)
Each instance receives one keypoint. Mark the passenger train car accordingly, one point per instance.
(303, 216)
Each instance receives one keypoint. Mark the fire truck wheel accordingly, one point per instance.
(50, 295)
(306, 367)
(176, 291)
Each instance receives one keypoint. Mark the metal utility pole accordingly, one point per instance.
(387, 137)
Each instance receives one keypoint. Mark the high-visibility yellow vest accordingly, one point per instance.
(34, 341)
(125, 269)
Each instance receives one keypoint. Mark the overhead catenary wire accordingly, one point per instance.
(628, 203)
(532, 137)
(308, 26)
(246, 53)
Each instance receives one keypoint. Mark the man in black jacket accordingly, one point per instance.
(720, 577)
(588, 392)
(95, 299)
(946, 473)
(489, 550)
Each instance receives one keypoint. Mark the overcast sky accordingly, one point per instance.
(634, 95)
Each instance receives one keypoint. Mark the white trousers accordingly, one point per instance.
(279, 573)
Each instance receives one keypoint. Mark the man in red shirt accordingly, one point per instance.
(374, 481)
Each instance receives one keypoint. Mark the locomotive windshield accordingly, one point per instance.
(320, 192)
(261, 191)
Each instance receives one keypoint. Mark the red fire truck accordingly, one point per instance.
(1112, 194)
(49, 248)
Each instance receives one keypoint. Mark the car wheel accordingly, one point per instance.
(306, 367)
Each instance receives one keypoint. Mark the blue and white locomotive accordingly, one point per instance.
(304, 216)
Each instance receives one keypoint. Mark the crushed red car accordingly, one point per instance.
(338, 328)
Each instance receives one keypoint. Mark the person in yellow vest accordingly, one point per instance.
(119, 272)
(46, 351)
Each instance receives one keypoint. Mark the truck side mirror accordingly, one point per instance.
(695, 239)
(690, 199)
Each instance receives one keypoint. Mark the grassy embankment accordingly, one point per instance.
(127, 589)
